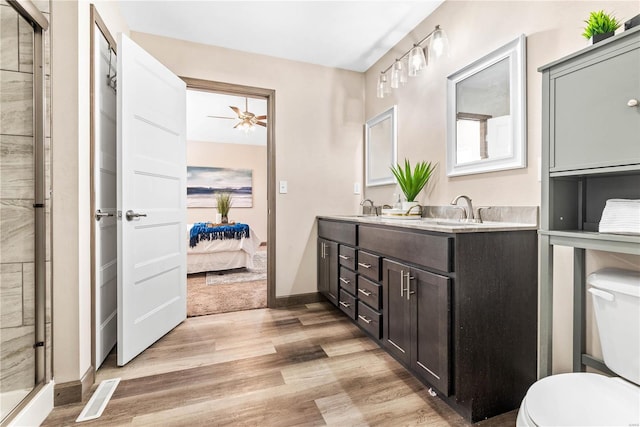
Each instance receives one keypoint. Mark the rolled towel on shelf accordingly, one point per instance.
(621, 216)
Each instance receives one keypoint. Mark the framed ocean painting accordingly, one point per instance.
(204, 183)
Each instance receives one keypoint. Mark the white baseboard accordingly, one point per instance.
(37, 409)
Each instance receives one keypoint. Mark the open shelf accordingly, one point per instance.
(593, 240)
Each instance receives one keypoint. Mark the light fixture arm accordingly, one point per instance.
(424, 39)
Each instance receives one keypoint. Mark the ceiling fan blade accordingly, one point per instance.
(262, 124)
(236, 110)
(220, 117)
(261, 117)
(237, 124)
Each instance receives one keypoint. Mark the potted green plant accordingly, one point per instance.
(600, 26)
(411, 182)
(224, 203)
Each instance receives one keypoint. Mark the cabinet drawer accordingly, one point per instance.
(369, 265)
(429, 250)
(369, 292)
(347, 304)
(347, 256)
(370, 320)
(347, 280)
(338, 231)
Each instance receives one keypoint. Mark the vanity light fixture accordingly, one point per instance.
(416, 61)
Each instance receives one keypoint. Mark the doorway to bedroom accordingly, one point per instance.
(227, 161)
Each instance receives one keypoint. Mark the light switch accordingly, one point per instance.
(356, 188)
(283, 187)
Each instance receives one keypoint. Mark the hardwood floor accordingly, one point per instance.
(306, 365)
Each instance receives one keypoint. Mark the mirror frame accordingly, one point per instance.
(515, 51)
(392, 114)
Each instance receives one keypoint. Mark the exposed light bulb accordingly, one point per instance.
(398, 74)
(380, 87)
(439, 44)
(417, 60)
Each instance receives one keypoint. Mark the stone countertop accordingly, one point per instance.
(442, 225)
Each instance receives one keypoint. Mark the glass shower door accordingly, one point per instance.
(23, 209)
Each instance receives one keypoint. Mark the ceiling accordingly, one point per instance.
(351, 35)
(200, 127)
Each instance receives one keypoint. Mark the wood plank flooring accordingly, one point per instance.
(301, 366)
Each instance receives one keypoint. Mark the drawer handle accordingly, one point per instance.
(344, 304)
(345, 281)
(362, 291)
(362, 264)
(344, 256)
(364, 319)
(632, 103)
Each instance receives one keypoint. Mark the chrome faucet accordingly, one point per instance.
(372, 209)
(469, 210)
(408, 212)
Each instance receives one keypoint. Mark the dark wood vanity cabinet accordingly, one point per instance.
(417, 321)
(328, 269)
(459, 310)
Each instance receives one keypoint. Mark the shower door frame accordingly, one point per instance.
(27, 10)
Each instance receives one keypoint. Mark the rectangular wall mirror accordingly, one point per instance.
(486, 113)
(380, 135)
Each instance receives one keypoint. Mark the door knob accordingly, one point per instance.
(99, 215)
(131, 215)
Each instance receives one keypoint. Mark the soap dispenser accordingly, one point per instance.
(398, 202)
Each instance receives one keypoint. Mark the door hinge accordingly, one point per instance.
(38, 344)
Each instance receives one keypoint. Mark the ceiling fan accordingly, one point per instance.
(248, 120)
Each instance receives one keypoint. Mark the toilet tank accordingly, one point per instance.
(616, 301)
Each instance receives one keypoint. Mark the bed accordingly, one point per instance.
(216, 251)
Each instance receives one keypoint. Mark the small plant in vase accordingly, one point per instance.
(224, 204)
(600, 26)
(411, 182)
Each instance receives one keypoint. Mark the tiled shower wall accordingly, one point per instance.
(17, 284)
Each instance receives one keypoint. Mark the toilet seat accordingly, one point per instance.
(582, 399)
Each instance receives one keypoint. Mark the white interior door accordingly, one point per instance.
(151, 200)
(104, 188)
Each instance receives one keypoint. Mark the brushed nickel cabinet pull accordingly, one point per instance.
(362, 264)
(345, 281)
(362, 291)
(401, 283)
(364, 319)
(344, 304)
(344, 256)
(409, 291)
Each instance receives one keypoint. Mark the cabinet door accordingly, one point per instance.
(430, 307)
(593, 126)
(328, 270)
(396, 314)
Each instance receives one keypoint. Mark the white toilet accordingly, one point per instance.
(585, 399)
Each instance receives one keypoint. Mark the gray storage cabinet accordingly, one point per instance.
(590, 153)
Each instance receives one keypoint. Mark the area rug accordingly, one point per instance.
(234, 294)
(258, 272)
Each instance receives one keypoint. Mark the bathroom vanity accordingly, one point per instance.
(455, 303)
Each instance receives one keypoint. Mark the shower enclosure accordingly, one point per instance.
(25, 205)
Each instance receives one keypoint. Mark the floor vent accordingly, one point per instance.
(99, 400)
